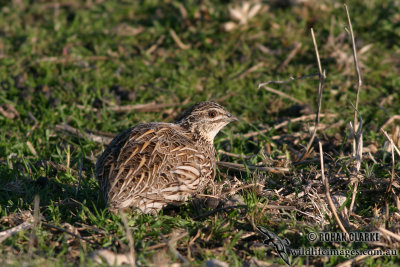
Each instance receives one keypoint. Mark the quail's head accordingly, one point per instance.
(206, 119)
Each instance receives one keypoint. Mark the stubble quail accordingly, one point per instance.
(155, 164)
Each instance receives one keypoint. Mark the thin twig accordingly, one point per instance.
(129, 235)
(328, 195)
(321, 83)
(241, 167)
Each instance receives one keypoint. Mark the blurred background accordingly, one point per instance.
(75, 73)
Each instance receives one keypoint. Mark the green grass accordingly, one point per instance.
(54, 59)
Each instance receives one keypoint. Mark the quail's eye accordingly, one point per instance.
(212, 114)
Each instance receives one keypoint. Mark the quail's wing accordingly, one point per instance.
(153, 162)
(106, 162)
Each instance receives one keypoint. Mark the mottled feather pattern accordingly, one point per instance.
(155, 164)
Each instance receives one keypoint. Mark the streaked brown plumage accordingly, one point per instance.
(154, 164)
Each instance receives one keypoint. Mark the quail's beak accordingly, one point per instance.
(231, 117)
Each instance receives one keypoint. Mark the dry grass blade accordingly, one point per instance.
(321, 83)
(129, 235)
(64, 60)
(357, 259)
(391, 141)
(9, 111)
(35, 125)
(357, 140)
(357, 153)
(31, 148)
(285, 123)
(389, 233)
(235, 155)
(390, 121)
(276, 207)
(274, 91)
(212, 212)
(79, 175)
(34, 226)
(50, 226)
(252, 185)
(241, 167)
(111, 258)
(178, 41)
(12, 231)
(291, 79)
(89, 136)
(250, 70)
(174, 251)
(353, 198)
(156, 45)
(328, 195)
(389, 187)
(64, 168)
(161, 245)
(356, 64)
(291, 55)
(356, 127)
(148, 107)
